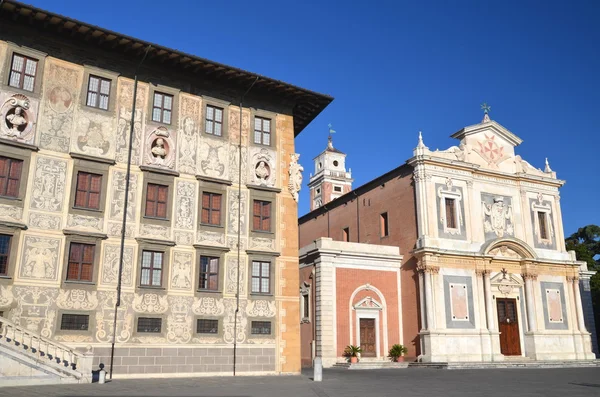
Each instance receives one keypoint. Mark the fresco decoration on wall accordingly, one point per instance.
(34, 309)
(232, 276)
(110, 265)
(208, 306)
(183, 238)
(44, 221)
(125, 100)
(77, 299)
(18, 115)
(230, 332)
(234, 126)
(114, 229)
(49, 184)
(6, 296)
(12, 213)
(188, 134)
(150, 303)
(234, 154)
(155, 231)
(261, 308)
(40, 258)
(237, 208)
(95, 135)
(210, 238)
(262, 243)
(118, 196)
(85, 222)
(105, 315)
(61, 92)
(179, 321)
(181, 273)
(213, 155)
(185, 204)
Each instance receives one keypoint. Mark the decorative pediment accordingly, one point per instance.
(506, 282)
(505, 252)
(508, 247)
(368, 303)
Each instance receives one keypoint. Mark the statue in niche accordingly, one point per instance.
(500, 215)
(159, 152)
(211, 166)
(262, 172)
(16, 121)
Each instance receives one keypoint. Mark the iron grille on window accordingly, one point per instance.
(149, 324)
(204, 326)
(209, 273)
(4, 253)
(214, 120)
(81, 262)
(261, 328)
(98, 92)
(152, 262)
(88, 190)
(75, 322)
(10, 176)
(22, 72)
(261, 277)
(162, 107)
(262, 131)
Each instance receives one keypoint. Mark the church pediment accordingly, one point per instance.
(368, 303)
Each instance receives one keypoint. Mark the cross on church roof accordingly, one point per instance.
(486, 110)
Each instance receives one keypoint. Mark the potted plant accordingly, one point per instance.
(352, 352)
(397, 353)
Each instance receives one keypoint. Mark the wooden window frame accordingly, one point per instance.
(98, 92)
(260, 276)
(210, 209)
(451, 221)
(87, 193)
(384, 224)
(162, 107)
(213, 120)
(22, 71)
(157, 201)
(262, 131)
(5, 178)
(6, 255)
(261, 217)
(152, 269)
(80, 262)
(208, 273)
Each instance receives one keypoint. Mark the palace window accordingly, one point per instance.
(81, 262)
(5, 240)
(383, 220)
(305, 306)
(214, 120)
(87, 193)
(337, 189)
(22, 72)
(152, 267)
(156, 201)
(75, 322)
(450, 213)
(211, 208)
(262, 216)
(10, 176)
(204, 326)
(346, 234)
(261, 277)
(209, 273)
(149, 325)
(262, 131)
(261, 328)
(98, 92)
(162, 108)
(542, 222)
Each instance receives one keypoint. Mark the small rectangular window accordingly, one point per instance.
(384, 224)
(98, 92)
(81, 262)
(75, 322)
(156, 201)
(87, 194)
(261, 277)
(5, 240)
(204, 326)
(450, 213)
(22, 72)
(262, 216)
(337, 189)
(149, 325)
(152, 267)
(10, 176)
(346, 234)
(209, 273)
(211, 208)
(543, 225)
(214, 120)
(162, 108)
(261, 328)
(305, 307)
(262, 131)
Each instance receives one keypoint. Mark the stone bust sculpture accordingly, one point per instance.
(159, 150)
(16, 122)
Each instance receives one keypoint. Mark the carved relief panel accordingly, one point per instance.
(159, 148)
(213, 155)
(61, 91)
(295, 176)
(262, 170)
(49, 184)
(189, 121)
(125, 101)
(18, 117)
(497, 216)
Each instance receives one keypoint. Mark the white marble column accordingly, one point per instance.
(529, 301)
(482, 310)
(578, 304)
(488, 301)
(429, 305)
(422, 301)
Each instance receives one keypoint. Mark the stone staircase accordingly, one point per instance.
(27, 358)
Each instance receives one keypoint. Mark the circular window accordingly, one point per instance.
(335, 163)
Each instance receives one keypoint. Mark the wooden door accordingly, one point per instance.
(508, 322)
(367, 337)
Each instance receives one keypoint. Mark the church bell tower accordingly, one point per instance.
(331, 180)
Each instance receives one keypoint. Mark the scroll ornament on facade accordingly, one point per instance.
(500, 218)
(295, 171)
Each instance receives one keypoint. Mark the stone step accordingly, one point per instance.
(8, 381)
(509, 364)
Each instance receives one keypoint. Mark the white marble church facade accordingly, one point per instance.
(495, 279)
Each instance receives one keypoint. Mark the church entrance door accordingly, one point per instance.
(367, 337)
(508, 322)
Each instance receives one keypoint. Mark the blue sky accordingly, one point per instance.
(398, 67)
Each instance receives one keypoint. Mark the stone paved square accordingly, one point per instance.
(570, 382)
